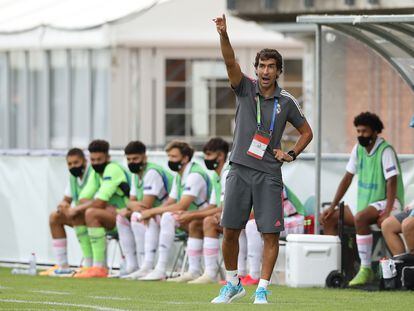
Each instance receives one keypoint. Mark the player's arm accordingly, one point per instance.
(233, 68)
(340, 192)
(182, 205)
(306, 136)
(199, 214)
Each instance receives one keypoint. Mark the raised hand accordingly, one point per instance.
(221, 25)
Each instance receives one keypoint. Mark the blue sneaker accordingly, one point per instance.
(260, 296)
(63, 273)
(229, 292)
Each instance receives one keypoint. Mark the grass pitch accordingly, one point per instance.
(21, 292)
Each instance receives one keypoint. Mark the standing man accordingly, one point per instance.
(380, 190)
(255, 177)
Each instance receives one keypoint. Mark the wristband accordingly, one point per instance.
(292, 154)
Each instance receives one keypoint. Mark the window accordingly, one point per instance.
(199, 101)
(18, 101)
(59, 103)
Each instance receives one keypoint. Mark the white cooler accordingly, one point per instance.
(310, 258)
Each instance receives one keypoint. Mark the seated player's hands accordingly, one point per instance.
(185, 217)
(282, 156)
(135, 206)
(326, 214)
(146, 214)
(125, 213)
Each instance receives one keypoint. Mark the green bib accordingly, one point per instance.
(119, 199)
(75, 188)
(167, 179)
(372, 186)
(295, 201)
(195, 168)
(216, 185)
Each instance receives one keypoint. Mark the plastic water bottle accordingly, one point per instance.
(122, 266)
(32, 264)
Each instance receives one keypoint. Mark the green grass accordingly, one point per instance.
(22, 292)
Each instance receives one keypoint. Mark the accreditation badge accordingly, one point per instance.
(259, 144)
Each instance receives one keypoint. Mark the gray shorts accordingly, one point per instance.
(247, 187)
(401, 216)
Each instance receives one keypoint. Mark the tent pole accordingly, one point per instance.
(318, 96)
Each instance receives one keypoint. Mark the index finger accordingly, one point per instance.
(224, 18)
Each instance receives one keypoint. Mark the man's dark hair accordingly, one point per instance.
(369, 119)
(266, 54)
(185, 148)
(99, 145)
(75, 152)
(135, 147)
(217, 144)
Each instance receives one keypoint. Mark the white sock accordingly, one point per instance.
(60, 250)
(194, 251)
(211, 255)
(263, 283)
(232, 277)
(242, 257)
(167, 233)
(364, 243)
(254, 248)
(126, 239)
(152, 233)
(138, 228)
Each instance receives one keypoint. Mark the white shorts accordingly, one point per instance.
(380, 207)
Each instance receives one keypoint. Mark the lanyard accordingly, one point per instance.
(272, 124)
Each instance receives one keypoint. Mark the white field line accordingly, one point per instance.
(52, 292)
(62, 304)
(109, 297)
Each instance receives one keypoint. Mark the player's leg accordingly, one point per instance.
(57, 221)
(236, 211)
(168, 225)
(391, 229)
(98, 222)
(194, 252)
(254, 252)
(124, 222)
(211, 247)
(242, 257)
(364, 239)
(408, 232)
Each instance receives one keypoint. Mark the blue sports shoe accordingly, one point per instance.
(260, 296)
(229, 292)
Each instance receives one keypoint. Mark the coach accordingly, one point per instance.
(255, 177)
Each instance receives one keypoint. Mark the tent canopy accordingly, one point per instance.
(390, 36)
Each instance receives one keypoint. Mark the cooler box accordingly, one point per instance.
(310, 258)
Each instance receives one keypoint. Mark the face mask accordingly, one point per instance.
(364, 141)
(135, 167)
(211, 164)
(99, 168)
(175, 166)
(77, 171)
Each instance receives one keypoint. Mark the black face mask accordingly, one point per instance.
(365, 141)
(99, 168)
(77, 171)
(211, 164)
(136, 167)
(175, 166)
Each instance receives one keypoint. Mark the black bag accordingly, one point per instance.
(397, 272)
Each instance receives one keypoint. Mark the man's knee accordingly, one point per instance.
(408, 226)
(361, 220)
(271, 239)
(390, 226)
(91, 214)
(209, 222)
